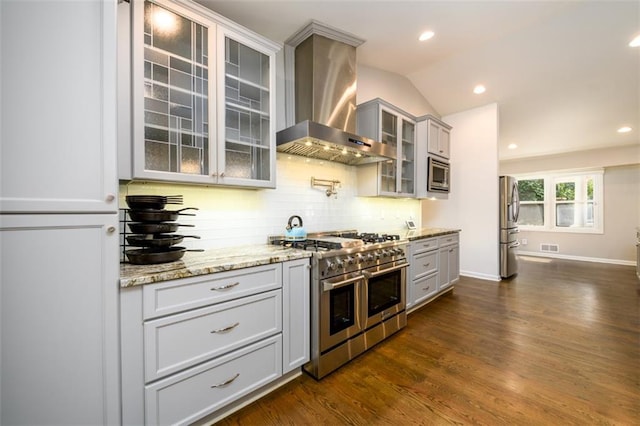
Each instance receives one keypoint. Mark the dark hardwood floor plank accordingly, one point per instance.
(557, 344)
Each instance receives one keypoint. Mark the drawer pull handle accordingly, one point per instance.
(224, 287)
(226, 382)
(425, 289)
(426, 264)
(222, 330)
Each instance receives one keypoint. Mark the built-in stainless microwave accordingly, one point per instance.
(437, 175)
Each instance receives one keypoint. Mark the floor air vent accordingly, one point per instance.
(550, 248)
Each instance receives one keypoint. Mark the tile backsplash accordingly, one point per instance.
(231, 217)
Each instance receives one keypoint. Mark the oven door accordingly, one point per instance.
(384, 292)
(340, 309)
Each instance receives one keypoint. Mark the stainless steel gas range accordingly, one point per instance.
(358, 294)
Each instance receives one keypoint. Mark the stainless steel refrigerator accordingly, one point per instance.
(509, 209)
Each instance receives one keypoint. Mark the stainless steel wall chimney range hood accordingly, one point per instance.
(325, 100)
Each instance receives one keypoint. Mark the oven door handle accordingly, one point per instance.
(370, 275)
(328, 286)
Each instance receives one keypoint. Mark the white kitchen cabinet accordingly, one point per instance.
(186, 397)
(433, 139)
(58, 107)
(191, 347)
(203, 98)
(58, 214)
(423, 271)
(59, 316)
(434, 267)
(179, 341)
(449, 266)
(438, 137)
(296, 315)
(381, 121)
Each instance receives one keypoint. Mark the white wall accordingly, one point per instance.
(473, 202)
(605, 157)
(393, 88)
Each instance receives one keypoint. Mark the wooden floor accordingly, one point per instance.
(559, 344)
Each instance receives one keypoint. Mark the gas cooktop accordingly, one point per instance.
(327, 241)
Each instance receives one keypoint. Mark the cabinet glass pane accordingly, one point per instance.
(176, 92)
(247, 120)
(407, 163)
(388, 176)
(389, 129)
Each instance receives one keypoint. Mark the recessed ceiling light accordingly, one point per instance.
(635, 42)
(512, 146)
(625, 129)
(479, 89)
(426, 35)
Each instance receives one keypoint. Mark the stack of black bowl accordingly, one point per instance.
(153, 229)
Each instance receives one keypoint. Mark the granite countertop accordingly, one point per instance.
(418, 234)
(229, 258)
(208, 262)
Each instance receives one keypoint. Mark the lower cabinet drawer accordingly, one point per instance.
(448, 239)
(190, 395)
(420, 246)
(424, 288)
(188, 293)
(179, 341)
(424, 263)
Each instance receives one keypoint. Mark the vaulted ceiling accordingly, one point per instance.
(562, 72)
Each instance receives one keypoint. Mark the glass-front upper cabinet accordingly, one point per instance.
(202, 101)
(377, 119)
(246, 111)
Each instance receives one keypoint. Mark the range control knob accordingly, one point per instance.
(332, 265)
(360, 257)
(378, 254)
(350, 260)
(399, 252)
(339, 263)
(386, 253)
(369, 257)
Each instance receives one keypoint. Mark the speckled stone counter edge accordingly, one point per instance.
(419, 234)
(207, 262)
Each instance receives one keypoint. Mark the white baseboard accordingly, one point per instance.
(480, 276)
(580, 258)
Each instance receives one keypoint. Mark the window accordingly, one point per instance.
(569, 202)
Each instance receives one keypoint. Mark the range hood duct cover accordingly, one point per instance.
(325, 100)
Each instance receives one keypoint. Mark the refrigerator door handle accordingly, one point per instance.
(515, 197)
(514, 245)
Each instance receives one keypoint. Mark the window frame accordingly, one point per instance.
(549, 210)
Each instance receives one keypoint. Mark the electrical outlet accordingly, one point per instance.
(524, 242)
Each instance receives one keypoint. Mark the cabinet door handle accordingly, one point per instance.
(224, 287)
(221, 174)
(222, 330)
(226, 382)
